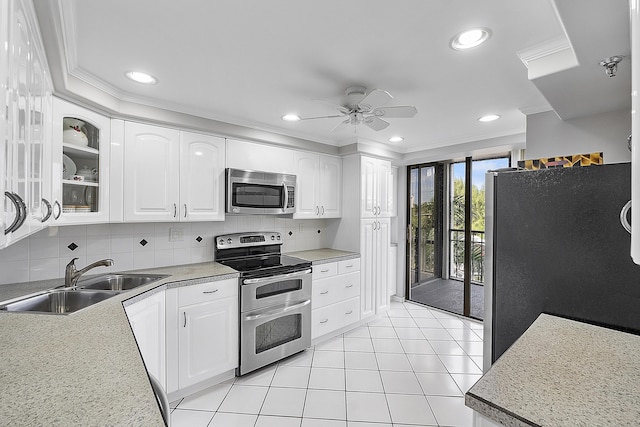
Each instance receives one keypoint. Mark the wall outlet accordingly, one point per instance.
(176, 234)
(301, 228)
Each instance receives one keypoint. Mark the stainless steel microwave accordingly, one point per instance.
(256, 192)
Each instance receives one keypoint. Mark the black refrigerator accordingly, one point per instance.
(555, 244)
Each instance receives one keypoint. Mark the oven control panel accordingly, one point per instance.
(243, 240)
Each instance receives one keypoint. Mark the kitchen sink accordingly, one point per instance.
(58, 301)
(119, 282)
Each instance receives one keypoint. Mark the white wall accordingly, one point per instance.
(548, 136)
(45, 254)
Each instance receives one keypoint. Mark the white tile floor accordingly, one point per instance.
(409, 368)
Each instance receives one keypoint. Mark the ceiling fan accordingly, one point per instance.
(367, 109)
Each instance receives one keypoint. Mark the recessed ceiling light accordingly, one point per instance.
(470, 38)
(488, 118)
(140, 77)
(291, 117)
(396, 139)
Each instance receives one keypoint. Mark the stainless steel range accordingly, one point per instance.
(275, 297)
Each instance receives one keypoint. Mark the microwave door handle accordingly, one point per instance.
(276, 278)
(286, 196)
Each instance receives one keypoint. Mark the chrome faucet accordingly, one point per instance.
(71, 275)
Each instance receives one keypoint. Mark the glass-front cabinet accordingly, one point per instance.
(81, 164)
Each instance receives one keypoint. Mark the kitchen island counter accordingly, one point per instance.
(83, 368)
(562, 372)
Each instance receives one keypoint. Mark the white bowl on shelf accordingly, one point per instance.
(72, 132)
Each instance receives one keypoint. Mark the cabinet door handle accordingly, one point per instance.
(22, 211)
(349, 312)
(324, 292)
(49, 209)
(323, 210)
(324, 271)
(349, 286)
(175, 210)
(348, 266)
(324, 320)
(317, 211)
(56, 210)
(210, 292)
(184, 313)
(13, 225)
(185, 210)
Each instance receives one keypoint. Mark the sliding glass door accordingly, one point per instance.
(425, 229)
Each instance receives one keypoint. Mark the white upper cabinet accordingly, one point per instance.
(319, 186)
(171, 175)
(259, 157)
(202, 159)
(80, 164)
(376, 198)
(25, 90)
(151, 167)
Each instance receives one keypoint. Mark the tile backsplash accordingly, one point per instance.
(45, 254)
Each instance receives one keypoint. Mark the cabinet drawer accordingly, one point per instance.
(325, 270)
(335, 316)
(349, 266)
(333, 289)
(207, 292)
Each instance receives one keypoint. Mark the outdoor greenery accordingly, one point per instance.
(477, 231)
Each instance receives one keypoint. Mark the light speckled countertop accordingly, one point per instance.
(563, 373)
(83, 368)
(323, 256)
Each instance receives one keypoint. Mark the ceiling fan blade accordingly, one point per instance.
(321, 117)
(375, 123)
(333, 105)
(401, 111)
(341, 125)
(376, 98)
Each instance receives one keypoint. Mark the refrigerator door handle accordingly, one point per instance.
(623, 216)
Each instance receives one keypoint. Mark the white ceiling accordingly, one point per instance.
(249, 62)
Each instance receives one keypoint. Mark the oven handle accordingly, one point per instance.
(275, 278)
(278, 310)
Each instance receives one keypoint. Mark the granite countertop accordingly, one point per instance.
(325, 255)
(563, 373)
(83, 368)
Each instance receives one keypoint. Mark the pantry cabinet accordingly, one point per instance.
(80, 164)
(374, 247)
(171, 175)
(25, 117)
(319, 186)
(147, 320)
(375, 184)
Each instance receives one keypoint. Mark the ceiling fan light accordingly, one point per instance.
(488, 118)
(140, 77)
(470, 38)
(291, 118)
(396, 139)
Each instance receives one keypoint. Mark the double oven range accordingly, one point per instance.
(275, 297)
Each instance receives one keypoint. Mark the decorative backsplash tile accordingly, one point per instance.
(45, 254)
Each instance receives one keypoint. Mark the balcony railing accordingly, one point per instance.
(456, 264)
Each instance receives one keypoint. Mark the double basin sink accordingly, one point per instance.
(87, 292)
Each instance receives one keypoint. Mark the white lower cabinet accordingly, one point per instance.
(147, 320)
(202, 333)
(335, 299)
